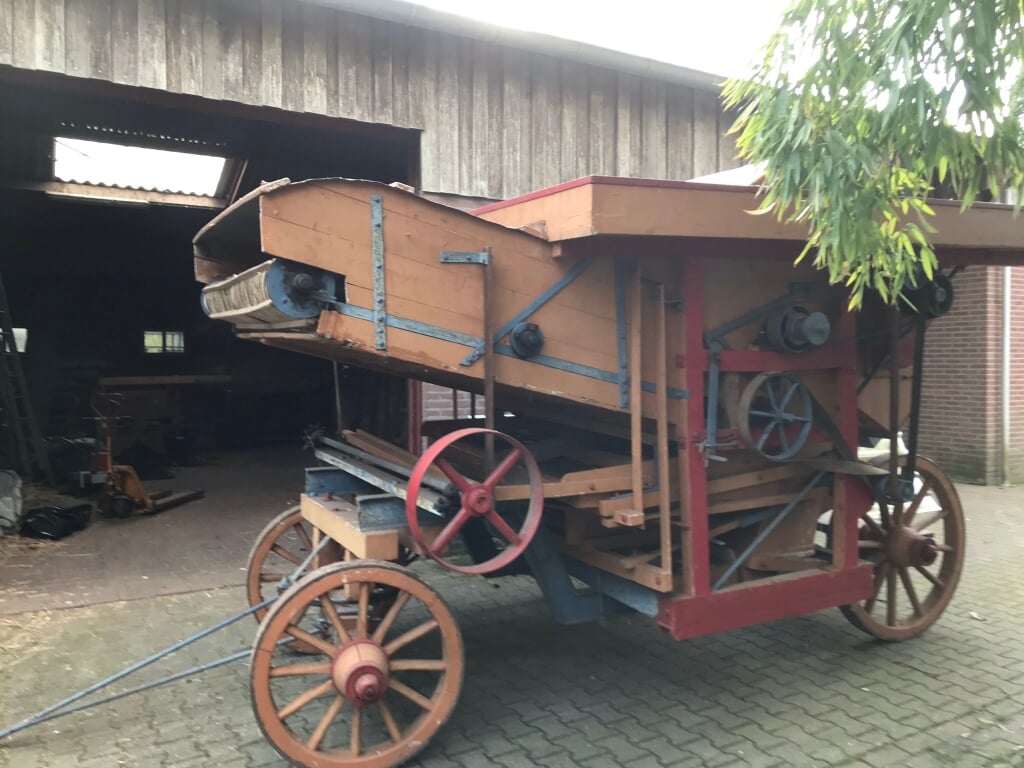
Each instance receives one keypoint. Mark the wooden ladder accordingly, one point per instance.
(26, 443)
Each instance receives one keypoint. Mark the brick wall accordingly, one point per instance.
(438, 405)
(960, 427)
(1017, 376)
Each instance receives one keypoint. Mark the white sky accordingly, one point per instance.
(718, 36)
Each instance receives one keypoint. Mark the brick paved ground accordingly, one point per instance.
(805, 692)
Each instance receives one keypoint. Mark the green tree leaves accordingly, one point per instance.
(860, 108)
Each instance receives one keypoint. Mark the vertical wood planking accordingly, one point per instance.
(424, 82)
(172, 52)
(547, 120)
(654, 131)
(331, 63)
(569, 149)
(49, 36)
(446, 118)
(192, 46)
(680, 132)
(152, 41)
(230, 18)
(400, 52)
(271, 32)
(23, 34)
(517, 130)
(627, 144)
(252, 54)
(727, 142)
(495, 121)
(291, 56)
(124, 30)
(213, 77)
(86, 38)
(601, 158)
(463, 108)
(7, 32)
(479, 154)
(361, 62)
(314, 59)
(705, 133)
(382, 106)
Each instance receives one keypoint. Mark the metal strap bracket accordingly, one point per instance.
(465, 257)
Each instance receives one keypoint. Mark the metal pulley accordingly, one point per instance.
(796, 330)
(526, 339)
(934, 298)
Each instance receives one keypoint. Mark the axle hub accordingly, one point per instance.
(359, 670)
(906, 546)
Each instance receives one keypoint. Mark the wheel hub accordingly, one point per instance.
(478, 500)
(359, 670)
(906, 546)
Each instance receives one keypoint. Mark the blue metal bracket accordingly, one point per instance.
(323, 480)
(529, 309)
(465, 257)
(622, 268)
(380, 312)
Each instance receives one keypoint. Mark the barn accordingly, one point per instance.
(95, 262)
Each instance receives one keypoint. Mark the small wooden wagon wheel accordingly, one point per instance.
(775, 415)
(918, 558)
(476, 500)
(375, 694)
(279, 549)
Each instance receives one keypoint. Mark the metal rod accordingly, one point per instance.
(488, 362)
(767, 531)
(337, 398)
(894, 413)
(915, 398)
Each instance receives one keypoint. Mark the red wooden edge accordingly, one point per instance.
(760, 602)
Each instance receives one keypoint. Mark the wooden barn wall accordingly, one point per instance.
(496, 121)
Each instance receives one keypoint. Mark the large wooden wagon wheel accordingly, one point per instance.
(279, 549)
(377, 691)
(918, 557)
(475, 501)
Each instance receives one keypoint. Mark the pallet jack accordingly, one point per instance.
(124, 493)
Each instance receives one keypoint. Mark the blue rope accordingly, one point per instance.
(52, 712)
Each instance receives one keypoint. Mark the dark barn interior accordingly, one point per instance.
(102, 279)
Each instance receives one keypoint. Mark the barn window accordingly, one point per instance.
(157, 342)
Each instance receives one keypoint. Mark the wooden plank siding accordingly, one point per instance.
(496, 122)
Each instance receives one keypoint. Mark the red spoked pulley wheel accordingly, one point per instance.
(477, 500)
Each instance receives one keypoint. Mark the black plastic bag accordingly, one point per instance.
(53, 522)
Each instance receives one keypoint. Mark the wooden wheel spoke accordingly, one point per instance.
(503, 528)
(875, 527)
(788, 396)
(927, 522)
(325, 723)
(890, 599)
(868, 544)
(416, 698)
(290, 670)
(411, 636)
(332, 614)
(502, 469)
(908, 587)
(300, 533)
(945, 548)
(935, 580)
(267, 578)
(280, 551)
(363, 617)
(764, 435)
(783, 437)
(389, 618)
(303, 699)
(453, 475)
(448, 532)
(908, 517)
(356, 744)
(424, 665)
(880, 574)
(300, 634)
(389, 721)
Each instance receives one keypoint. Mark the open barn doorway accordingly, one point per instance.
(98, 271)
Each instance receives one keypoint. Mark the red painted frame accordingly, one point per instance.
(698, 611)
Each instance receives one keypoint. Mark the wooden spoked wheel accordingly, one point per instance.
(775, 415)
(279, 549)
(918, 556)
(378, 690)
(476, 501)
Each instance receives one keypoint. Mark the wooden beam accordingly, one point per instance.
(118, 195)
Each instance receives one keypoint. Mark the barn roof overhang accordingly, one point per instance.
(413, 15)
